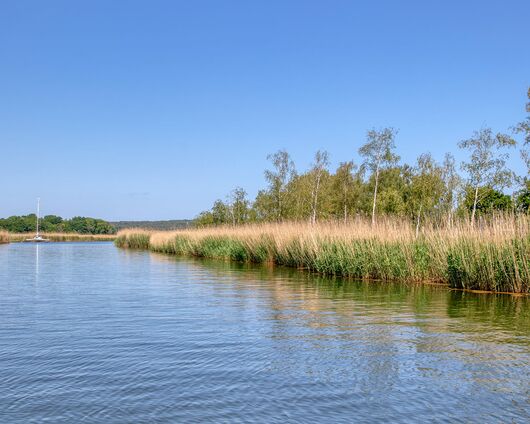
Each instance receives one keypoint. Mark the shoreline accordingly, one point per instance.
(61, 237)
(493, 260)
(433, 284)
(440, 284)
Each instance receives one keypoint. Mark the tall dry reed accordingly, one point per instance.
(494, 255)
(17, 237)
(4, 237)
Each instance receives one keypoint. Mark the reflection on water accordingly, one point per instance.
(36, 260)
(123, 336)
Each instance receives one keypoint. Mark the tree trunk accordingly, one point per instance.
(279, 212)
(315, 200)
(345, 213)
(375, 194)
(312, 215)
(450, 219)
(475, 201)
(418, 222)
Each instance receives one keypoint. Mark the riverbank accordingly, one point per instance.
(491, 257)
(58, 237)
(4, 237)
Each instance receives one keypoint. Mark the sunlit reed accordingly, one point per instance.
(17, 237)
(493, 255)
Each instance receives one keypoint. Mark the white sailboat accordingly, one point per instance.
(37, 238)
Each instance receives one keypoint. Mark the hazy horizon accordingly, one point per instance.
(152, 110)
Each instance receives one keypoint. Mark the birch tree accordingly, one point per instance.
(278, 179)
(346, 189)
(378, 154)
(238, 206)
(220, 212)
(319, 167)
(426, 188)
(452, 182)
(487, 163)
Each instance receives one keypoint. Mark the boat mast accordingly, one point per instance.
(38, 211)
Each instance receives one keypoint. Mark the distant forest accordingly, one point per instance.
(173, 224)
(381, 185)
(83, 225)
(56, 224)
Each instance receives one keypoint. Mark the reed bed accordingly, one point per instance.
(493, 256)
(18, 237)
(4, 237)
(135, 238)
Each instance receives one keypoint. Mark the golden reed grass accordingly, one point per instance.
(493, 255)
(4, 236)
(17, 237)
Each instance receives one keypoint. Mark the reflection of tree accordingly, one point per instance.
(373, 336)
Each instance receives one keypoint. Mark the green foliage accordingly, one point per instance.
(19, 224)
(278, 179)
(489, 200)
(392, 191)
(263, 207)
(425, 188)
(172, 224)
(83, 225)
(523, 198)
(427, 191)
(378, 154)
(56, 224)
(318, 172)
(345, 191)
(378, 151)
(487, 163)
(204, 219)
(238, 206)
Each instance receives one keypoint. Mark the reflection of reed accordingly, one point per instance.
(511, 313)
(428, 306)
(370, 326)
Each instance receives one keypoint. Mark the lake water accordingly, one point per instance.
(93, 334)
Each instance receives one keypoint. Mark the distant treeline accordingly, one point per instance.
(173, 224)
(381, 185)
(56, 224)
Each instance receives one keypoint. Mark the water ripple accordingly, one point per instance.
(93, 334)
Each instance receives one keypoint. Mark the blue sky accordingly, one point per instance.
(153, 109)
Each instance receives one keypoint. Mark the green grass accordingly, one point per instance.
(490, 266)
(463, 260)
(136, 240)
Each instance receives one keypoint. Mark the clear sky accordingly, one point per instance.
(153, 109)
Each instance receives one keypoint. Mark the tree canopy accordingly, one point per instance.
(56, 224)
(381, 185)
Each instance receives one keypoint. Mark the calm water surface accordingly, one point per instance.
(93, 334)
